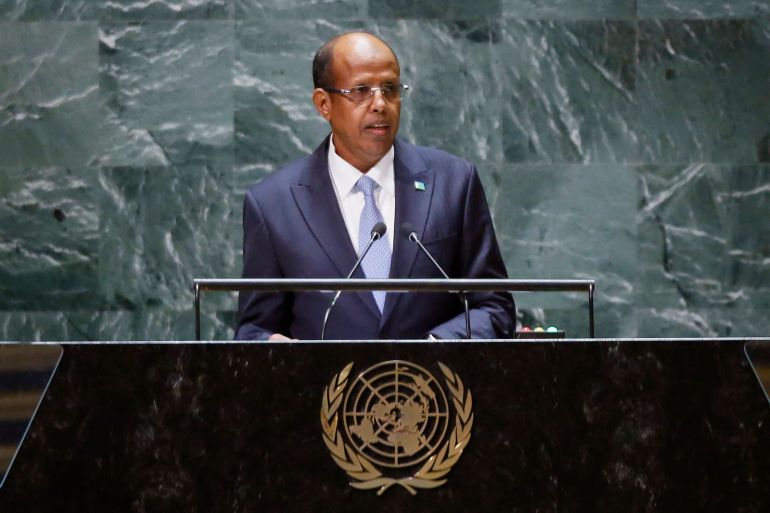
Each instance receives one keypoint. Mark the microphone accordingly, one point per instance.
(408, 231)
(378, 230)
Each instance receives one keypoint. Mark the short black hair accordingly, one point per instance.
(322, 64)
(323, 72)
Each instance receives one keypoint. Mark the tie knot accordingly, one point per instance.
(366, 185)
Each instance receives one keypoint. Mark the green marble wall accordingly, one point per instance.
(622, 140)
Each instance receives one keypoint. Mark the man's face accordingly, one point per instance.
(363, 132)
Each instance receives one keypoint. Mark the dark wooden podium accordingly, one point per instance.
(569, 425)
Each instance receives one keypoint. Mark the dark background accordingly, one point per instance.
(569, 427)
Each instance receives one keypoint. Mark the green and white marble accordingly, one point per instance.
(569, 222)
(167, 93)
(438, 9)
(702, 91)
(49, 238)
(275, 121)
(624, 141)
(570, 9)
(300, 9)
(702, 239)
(690, 9)
(162, 227)
(455, 101)
(568, 91)
(49, 89)
(138, 10)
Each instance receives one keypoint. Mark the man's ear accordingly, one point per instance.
(322, 101)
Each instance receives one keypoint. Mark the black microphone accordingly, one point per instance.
(378, 230)
(408, 231)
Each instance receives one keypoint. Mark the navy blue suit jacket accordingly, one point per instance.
(293, 228)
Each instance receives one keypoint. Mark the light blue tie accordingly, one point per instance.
(376, 264)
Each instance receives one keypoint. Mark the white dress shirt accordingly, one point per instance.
(351, 200)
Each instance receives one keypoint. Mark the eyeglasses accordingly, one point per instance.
(362, 93)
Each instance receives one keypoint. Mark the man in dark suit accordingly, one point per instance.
(314, 217)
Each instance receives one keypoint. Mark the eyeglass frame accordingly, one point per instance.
(347, 92)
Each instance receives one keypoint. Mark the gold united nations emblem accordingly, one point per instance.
(393, 425)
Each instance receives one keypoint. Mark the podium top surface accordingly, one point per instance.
(403, 341)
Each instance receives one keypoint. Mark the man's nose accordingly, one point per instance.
(378, 99)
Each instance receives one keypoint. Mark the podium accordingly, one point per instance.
(568, 425)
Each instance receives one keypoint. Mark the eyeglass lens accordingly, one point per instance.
(390, 92)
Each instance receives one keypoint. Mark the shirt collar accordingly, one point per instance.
(346, 175)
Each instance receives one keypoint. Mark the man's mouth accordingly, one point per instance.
(378, 128)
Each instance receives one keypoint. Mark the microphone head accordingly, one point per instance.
(407, 230)
(378, 230)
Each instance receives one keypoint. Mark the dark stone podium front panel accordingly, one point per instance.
(566, 426)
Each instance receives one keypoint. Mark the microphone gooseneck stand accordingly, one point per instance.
(410, 233)
(378, 230)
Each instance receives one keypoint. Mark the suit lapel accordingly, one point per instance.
(412, 206)
(317, 202)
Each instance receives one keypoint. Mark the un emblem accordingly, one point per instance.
(392, 425)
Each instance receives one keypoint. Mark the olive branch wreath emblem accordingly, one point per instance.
(364, 474)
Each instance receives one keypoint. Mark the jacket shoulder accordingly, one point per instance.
(279, 182)
(449, 168)
(280, 179)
